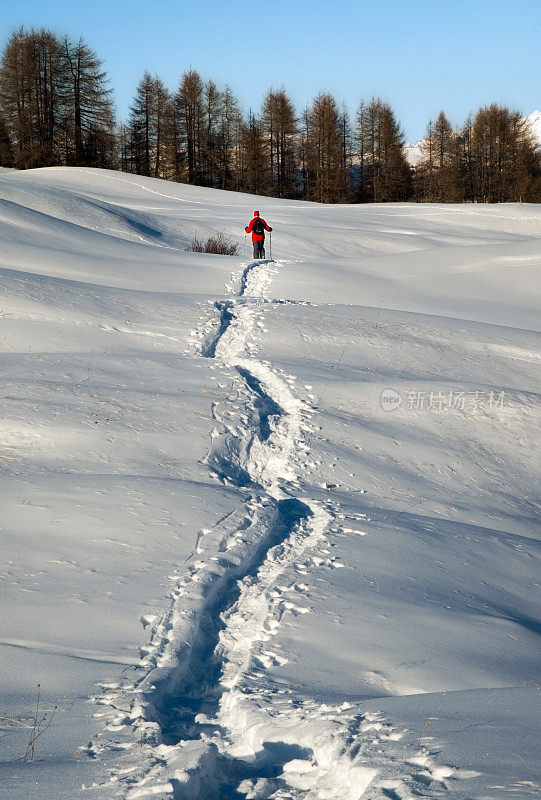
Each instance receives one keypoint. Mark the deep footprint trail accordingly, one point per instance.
(206, 715)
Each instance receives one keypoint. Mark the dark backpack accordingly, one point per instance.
(258, 228)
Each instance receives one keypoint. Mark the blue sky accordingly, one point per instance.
(419, 55)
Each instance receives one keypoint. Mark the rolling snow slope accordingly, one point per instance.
(337, 600)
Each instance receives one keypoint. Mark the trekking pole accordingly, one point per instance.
(270, 245)
(244, 251)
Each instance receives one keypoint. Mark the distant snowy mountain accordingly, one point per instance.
(414, 152)
(534, 123)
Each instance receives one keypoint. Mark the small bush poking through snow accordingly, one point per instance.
(219, 244)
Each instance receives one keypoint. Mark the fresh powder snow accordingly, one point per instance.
(269, 528)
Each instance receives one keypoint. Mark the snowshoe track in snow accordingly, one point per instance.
(206, 716)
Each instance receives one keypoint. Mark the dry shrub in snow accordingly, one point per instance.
(219, 244)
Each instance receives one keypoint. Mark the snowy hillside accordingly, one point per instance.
(269, 528)
(414, 152)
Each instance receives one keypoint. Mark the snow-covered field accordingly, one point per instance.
(269, 528)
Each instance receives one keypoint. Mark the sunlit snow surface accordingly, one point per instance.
(269, 528)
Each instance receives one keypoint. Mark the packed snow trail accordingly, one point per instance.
(209, 718)
(208, 726)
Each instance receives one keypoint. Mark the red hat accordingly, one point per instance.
(256, 213)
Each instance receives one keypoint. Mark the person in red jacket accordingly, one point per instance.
(257, 228)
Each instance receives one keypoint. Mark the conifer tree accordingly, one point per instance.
(326, 180)
(212, 102)
(347, 153)
(467, 171)
(254, 177)
(88, 118)
(152, 137)
(55, 102)
(230, 142)
(303, 146)
(189, 105)
(438, 173)
(165, 153)
(425, 171)
(280, 131)
(123, 148)
(503, 154)
(6, 149)
(142, 126)
(385, 172)
(30, 83)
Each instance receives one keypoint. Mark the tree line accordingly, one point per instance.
(56, 108)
